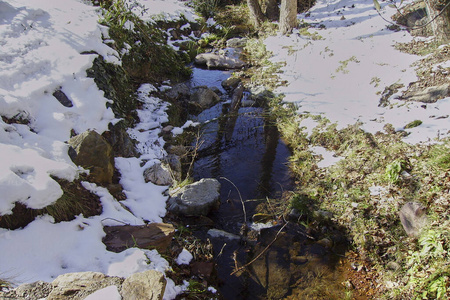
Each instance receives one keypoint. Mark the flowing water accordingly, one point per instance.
(243, 150)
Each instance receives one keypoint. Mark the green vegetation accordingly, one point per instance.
(413, 124)
(75, 200)
(393, 171)
(145, 55)
(372, 221)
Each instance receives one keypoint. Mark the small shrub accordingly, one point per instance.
(393, 171)
(206, 8)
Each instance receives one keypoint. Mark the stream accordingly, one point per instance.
(243, 150)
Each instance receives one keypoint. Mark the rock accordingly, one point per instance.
(393, 266)
(158, 174)
(179, 91)
(203, 98)
(230, 83)
(217, 61)
(413, 218)
(326, 243)
(272, 272)
(123, 145)
(323, 215)
(248, 103)
(428, 95)
(35, 290)
(237, 42)
(148, 285)
(299, 259)
(202, 269)
(153, 235)
(94, 153)
(174, 162)
(196, 199)
(62, 98)
(217, 233)
(79, 285)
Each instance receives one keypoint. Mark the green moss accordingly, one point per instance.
(413, 124)
(117, 86)
(439, 156)
(147, 57)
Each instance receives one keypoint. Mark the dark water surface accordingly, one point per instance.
(243, 150)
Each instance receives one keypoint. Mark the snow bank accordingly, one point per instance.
(340, 69)
(42, 45)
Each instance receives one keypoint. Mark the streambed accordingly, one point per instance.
(242, 149)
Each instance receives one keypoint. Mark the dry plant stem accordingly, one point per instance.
(259, 255)
(198, 144)
(240, 197)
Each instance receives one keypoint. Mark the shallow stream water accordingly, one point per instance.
(243, 150)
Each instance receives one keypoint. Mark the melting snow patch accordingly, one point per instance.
(184, 258)
(328, 157)
(376, 190)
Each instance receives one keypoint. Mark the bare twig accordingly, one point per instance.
(114, 220)
(240, 197)
(413, 27)
(259, 255)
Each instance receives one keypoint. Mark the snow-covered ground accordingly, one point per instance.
(41, 42)
(43, 46)
(349, 57)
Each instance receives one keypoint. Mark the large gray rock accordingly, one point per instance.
(159, 174)
(93, 152)
(203, 98)
(413, 218)
(217, 61)
(76, 286)
(196, 199)
(148, 285)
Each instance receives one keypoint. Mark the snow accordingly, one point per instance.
(184, 258)
(338, 70)
(110, 292)
(328, 157)
(47, 46)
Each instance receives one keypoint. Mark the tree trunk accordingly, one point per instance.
(255, 12)
(441, 25)
(272, 10)
(288, 16)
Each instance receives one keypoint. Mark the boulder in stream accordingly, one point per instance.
(203, 98)
(196, 199)
(230, 83)
(217, 61)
